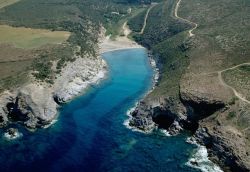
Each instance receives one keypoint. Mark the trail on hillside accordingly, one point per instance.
(228, 86)
(225, 84)
(146, 18)
(234, 91)
(234, 67)
(190, 22)
(219, 72)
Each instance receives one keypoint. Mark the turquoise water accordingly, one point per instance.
(90, 135)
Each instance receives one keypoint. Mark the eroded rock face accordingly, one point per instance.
(226, 145)
(5, 97)
(32, 105)
(159, 112)
(35, 104)
(203, 95)
(76, 77)
(142, 117)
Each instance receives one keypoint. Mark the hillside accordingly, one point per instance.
(50, 54)
(202, 48)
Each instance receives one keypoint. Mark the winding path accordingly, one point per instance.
(219, 72)
(146, 18)
(188, 21)
(234, 67)
(228, 86)
(225, 84)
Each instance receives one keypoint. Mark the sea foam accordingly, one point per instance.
(200, 160)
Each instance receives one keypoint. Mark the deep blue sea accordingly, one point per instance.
(90, 136)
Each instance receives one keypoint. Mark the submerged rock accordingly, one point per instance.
(12, 133)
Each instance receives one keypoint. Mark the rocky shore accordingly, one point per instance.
(35, 104)
(195, 112)
(146, 123)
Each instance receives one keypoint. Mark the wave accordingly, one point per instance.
(200, 160)
(126, 122)
(9, 137)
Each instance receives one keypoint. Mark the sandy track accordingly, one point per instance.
(219, 72)
(225, 84)
(188, 21)
(146, 18)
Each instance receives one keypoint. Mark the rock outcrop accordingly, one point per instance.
(77, 76)
(159, 112)
(35, 105)
(197, 110)
(226, 145)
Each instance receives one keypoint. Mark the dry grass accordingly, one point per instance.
(5, 3)
(239, 78)
(14, 60)
(28, 38)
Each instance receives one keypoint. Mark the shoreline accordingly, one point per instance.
(120, 49)
(201, 154)
(200, 158)
(154, 81)
(76, 77)
(120, 43)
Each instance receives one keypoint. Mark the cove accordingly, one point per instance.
(90, 136)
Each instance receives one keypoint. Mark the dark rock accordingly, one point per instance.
(221, 149)
(195, 163)
(161, 112)
(12, 132)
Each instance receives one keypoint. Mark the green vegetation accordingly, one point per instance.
(50, 23)
(231, 115)
(5, 3)
(245, 68)
(222, 31)
(221, 42)
(82, 18)
(166, 37)
(43, 69)
(136, 23)
(233, 100)
(59, 55)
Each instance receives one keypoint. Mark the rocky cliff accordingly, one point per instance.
(203, 56)
(35, 104)
(204, 112)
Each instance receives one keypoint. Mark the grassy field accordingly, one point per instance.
(5, 3)
(30, 38)
(32, 42)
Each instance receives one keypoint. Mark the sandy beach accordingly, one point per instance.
(119, 43)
